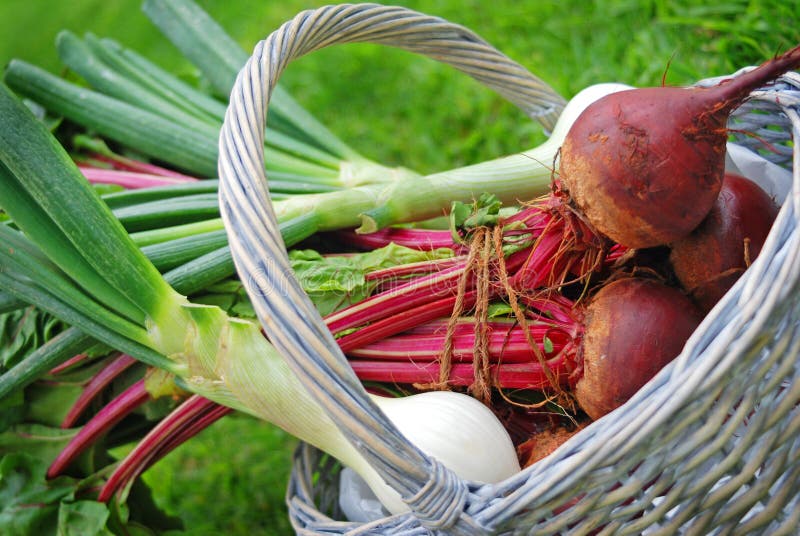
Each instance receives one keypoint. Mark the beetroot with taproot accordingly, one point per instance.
(644, 166)
(711, 258)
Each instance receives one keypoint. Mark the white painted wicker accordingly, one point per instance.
(710, 446)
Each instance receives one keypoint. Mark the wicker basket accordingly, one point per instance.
(710, 446)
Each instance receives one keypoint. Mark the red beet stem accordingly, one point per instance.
(400, 272)
(403, 319)
(130, 164)
(543, 262)
(130, 180)
(429, 239)
(102, 422)
(69, 363)
(187, 420)
(418, 291)
(418, 301)
(507, 343)
(544, 265)
(421, 239)
(507, 376)
(735, 89)
(555, 307)
(95, 386)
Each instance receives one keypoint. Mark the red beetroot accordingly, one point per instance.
(645, 165)
(633, 327)
(543, 443)
(710, 260)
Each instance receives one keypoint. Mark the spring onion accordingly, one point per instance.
(94, 276)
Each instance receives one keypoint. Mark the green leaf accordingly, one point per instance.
(42, 442)
(499, 309)
(28, 502)
(49, 402)
(32, 505)
(230, 296)
(12, 410)
(334, 281)
(459, 212)
(23, 331)
(141, 516)
(83, 518)
(481, 213)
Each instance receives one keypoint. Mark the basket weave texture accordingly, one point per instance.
(710, 446)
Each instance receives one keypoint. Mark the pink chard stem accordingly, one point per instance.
(95, 386)
(507, 343)
(129, 164)
(130, 180)
(506, 376)
(68, 364)
(187, 420)
(421, 239)
(100, 424)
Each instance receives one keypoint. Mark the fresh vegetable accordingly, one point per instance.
(633, 327)
(606, 348)
(542, 443)
(644, 166)
(526, 256)
(712, 257)
(76, 261)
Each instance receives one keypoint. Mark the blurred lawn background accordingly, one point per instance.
(403, 110)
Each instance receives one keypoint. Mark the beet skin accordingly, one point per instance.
(633, 327)
(645, 165)
(710, 260)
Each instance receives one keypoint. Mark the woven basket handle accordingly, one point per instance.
(287, 315)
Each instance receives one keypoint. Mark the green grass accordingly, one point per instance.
(401, 109)
(230, 479)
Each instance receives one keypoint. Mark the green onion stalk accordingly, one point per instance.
(68, 255)
(135, 103)
(150, 111)
(182, 214)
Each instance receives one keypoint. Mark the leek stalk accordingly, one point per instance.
(225, 359)
(220, 58)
